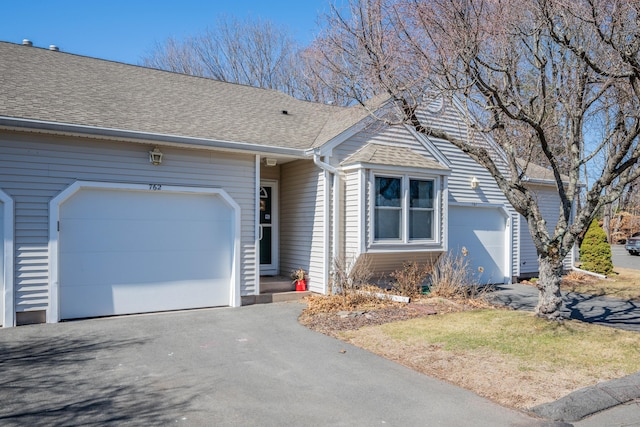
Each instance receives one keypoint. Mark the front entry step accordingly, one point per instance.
(275, 289)
(274, 297)
(273, 284)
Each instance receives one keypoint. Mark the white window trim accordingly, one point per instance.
(404, 242)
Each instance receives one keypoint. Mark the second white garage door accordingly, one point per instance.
(482, 231)
(125, 251)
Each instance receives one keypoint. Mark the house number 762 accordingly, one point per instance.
(155, 187)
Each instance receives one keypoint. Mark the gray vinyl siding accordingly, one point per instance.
(397, 136)
(269, 172)
(356, 207)
(384, 264)
(549, 203)
(302, 221)
(464, 168)
(35, 168)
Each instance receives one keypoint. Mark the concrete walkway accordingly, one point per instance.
(248, 366)
(613, 403)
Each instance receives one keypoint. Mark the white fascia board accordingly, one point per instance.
(429, 146)
(504, 209)
(97, 132)
(396, 169)
(546, 182)
(326, 149)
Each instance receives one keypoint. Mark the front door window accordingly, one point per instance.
(268, 219)
(266, 212)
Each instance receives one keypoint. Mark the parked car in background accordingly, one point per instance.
(633, 244)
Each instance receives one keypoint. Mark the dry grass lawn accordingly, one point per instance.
(510, 357)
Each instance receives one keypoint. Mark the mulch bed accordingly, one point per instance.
(334, 322)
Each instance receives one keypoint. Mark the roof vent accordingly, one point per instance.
(27, 42)
(285, 112)
(53, 47)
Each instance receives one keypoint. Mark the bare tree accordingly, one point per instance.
(252, 52)
(542, 78)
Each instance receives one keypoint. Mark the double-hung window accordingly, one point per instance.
(404, 209)
(388, 211)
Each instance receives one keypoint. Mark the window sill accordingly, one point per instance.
(404, 247)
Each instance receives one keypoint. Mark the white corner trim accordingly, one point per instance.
(53, 311)
(9, 314)
(256, 226)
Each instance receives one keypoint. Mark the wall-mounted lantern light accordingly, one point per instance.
(155, 156)
(474, 183)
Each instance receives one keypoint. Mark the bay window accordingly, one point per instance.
(403, 209)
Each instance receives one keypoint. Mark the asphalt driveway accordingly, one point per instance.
(245, 366)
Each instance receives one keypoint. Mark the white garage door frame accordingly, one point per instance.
(508, 238)
(8, 299)
(53, 312)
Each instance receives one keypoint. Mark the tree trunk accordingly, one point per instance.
(549, 299)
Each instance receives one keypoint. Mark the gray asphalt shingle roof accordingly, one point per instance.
(379, 154)
(40, 84)
(537, 172)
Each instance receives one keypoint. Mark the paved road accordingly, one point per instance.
(621, 258)
(245, 366)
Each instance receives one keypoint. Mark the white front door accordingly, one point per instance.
(268, 228)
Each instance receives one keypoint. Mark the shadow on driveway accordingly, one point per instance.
(617, 313)
(61, 381)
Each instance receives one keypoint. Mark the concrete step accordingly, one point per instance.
(273, 284)
(275, 297)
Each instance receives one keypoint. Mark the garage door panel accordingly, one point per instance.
(137, 205)
(131, 252)
(108, 300)
(104, 236)
(80, 269)
(481, 231)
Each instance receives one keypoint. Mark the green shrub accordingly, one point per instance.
(595, 252)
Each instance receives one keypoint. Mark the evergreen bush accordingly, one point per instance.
(595, 251)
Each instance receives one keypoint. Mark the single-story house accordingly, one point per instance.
(125, 189)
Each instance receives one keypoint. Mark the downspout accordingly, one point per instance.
(579, 270)
(327, 168)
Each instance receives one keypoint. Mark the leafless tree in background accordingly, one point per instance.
(252, 52)
(555, 82)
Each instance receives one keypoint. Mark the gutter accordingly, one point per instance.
(12, 123)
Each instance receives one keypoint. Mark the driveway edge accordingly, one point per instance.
(590, 400)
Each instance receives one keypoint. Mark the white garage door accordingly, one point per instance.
(482, 232)
(123, 251)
